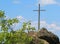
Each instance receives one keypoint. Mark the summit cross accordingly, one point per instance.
(39, 15)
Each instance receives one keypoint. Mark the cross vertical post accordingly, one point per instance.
(39, 15)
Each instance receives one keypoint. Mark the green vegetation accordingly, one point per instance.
(9, 36)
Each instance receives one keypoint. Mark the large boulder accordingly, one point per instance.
(48, 36)
(44, 36)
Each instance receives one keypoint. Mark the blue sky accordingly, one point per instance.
(24, 10)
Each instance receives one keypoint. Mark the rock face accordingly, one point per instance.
(48, 36)
(43, 34)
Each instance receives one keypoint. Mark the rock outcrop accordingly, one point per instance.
(48, 36)
(42, 35)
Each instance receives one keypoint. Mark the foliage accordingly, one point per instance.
(14, 37)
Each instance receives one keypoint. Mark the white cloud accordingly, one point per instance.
(18, 25)
(43, 23)
(47, 2)
(51, 26)
(20, 17)
(16, 1)
(34, 24)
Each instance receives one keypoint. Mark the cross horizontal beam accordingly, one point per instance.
(39, 10)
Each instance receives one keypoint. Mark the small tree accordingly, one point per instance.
(9, 36)
(5, 25)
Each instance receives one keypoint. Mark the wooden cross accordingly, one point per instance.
(39, 15)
